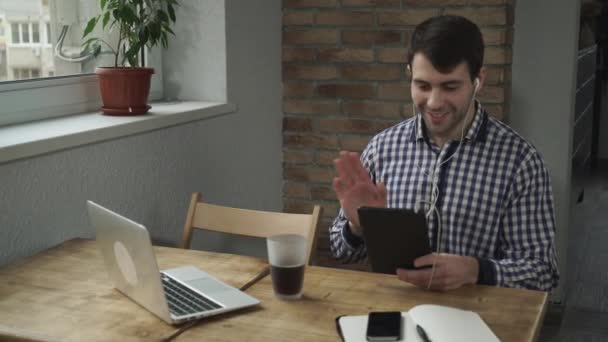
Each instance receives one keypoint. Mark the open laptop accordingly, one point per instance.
(175, 295)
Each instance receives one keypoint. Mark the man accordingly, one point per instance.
(477, 180)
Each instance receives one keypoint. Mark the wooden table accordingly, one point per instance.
(65, 293)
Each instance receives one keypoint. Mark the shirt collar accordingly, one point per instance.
(477, 131)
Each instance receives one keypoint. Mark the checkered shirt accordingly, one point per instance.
(495, 198)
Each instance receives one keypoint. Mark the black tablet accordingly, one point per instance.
(394, 237)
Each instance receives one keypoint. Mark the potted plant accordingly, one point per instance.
(140, 24)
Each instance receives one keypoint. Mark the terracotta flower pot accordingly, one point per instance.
(124, 91)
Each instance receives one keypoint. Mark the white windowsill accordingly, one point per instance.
(39, 137)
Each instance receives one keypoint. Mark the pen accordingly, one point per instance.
(422, 333)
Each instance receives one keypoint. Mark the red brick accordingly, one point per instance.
(298, 18)
(345, 55)
(371, 72)
(320, 193)
(311, 140)
(330, 210)
(309, 3)
(310, 36)
(296, 190)
(384, 124)
(309, 174)
(406, 17)
(298, 157)
(495, 110)
(394, 91)
(297, 124)
(309, 72)
(483, 15)
(393, 55)
(495, 75)
(372, 109)
(298, 89)
(371, 37)
(297, 206)
(326, 158)
(495, 36)
(344, 18)
(491, 94)
(497, 55)
(452, 2)
(507, 74)
(356, 91)
(371, 3)
(354, 143)
(354, 126)
(407, 111)
(291, 54)
(311, 107)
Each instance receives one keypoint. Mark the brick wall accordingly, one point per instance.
(344, 81)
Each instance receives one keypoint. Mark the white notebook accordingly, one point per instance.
(441, 323)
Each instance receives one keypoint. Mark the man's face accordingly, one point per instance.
(443, 99)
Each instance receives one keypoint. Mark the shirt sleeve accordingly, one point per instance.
(527, 244)
(343, 244)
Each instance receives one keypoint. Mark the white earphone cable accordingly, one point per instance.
(435, 186)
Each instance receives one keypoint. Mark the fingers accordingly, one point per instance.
(440, 280)
(416, 277)
(427, 260)
(344, 172)
(350, 168)
(358, 170)
(339, 188)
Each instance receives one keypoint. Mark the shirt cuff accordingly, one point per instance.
(353, 240)
(487, 272)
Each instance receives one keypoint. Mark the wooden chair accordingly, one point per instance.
(247, 222)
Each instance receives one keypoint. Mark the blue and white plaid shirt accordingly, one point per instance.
(495, 198)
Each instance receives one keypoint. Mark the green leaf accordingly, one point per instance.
(97, 50)
(162, 15)
(90, 26)
(106, 18)
(168, 29)
(164, 40)
(171, 12)
(103, 4)
(87, 42)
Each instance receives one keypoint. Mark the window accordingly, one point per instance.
(35, 33)
(45, 41)
(25, 73)
(48, 33)
(15, 36)
(25, 32)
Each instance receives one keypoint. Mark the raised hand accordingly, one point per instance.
(355, 188)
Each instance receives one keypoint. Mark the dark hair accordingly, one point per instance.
(447, 41)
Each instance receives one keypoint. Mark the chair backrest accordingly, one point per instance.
(249, 222)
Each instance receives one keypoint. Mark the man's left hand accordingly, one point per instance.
(451, 271)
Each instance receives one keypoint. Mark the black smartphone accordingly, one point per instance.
(384, 326)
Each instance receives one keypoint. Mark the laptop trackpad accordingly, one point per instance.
(208, 285)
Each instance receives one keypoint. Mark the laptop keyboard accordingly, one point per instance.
(184, 301)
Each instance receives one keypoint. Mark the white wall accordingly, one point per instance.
(233, 159)
(542, 100)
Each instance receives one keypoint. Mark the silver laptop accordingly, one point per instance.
(175, 295)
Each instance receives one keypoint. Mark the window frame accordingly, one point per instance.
(48, 97)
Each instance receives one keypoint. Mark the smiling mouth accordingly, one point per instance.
(437, 115)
